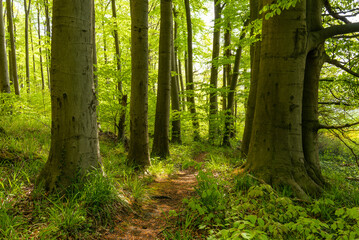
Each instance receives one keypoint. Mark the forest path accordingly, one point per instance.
(165, 195)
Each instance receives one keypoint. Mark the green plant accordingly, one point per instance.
(67, 218)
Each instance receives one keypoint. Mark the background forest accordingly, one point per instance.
(257, 101)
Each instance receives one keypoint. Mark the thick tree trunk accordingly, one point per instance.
(74, 139)
(213, 99)
(138, 154)
(160, 146)
(276, 150)
(189, 66)
(13, 72)
(4, 73)
(122, 98)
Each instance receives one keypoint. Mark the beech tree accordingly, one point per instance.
(122, 97)
(160, 146)
(4, 73)
(13, 64)
(213, 99)
(138, 154)
(74, 139)
(189, 72)
(27, 7)
(283, 146)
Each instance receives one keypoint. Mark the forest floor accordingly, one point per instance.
(152, 218)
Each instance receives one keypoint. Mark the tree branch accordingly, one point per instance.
(347, 36)
(334, 103)
(320, 126)
(339, 65)
(333, 13)
(321, 35)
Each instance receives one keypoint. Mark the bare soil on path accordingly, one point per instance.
(149, 221)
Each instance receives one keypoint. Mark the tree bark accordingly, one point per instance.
(160, 146)
(314, 63)
(276, 150)
(229, 115)
(40, 49)
(33, 53)
(74, 138)
(227, 67)
(121, 98)
(176, 107)
(13, 72)
(27, 61)
(4, 73)
(48, 34)
(255, 50)
(189, 66)
(138, 155)
(213, 99)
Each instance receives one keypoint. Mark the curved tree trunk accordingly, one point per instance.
(4, 73)
(160, 146)
(13, 73)
(138, 155)
(74, 138)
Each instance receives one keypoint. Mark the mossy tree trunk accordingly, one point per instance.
(283, 145)
(74, 138)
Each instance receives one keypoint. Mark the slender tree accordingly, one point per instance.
(160, 146)
(213, 99)
(4, 73)
(175, 99)
(27, 7)
(255, 49)
(40, 49)
(48, 34)
(138, 154)
(122, 97)
(74, 139)
(189, 68)
(13, 68)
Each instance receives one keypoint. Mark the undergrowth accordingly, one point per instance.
(228, 206)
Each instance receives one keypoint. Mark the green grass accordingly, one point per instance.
(225, 207)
